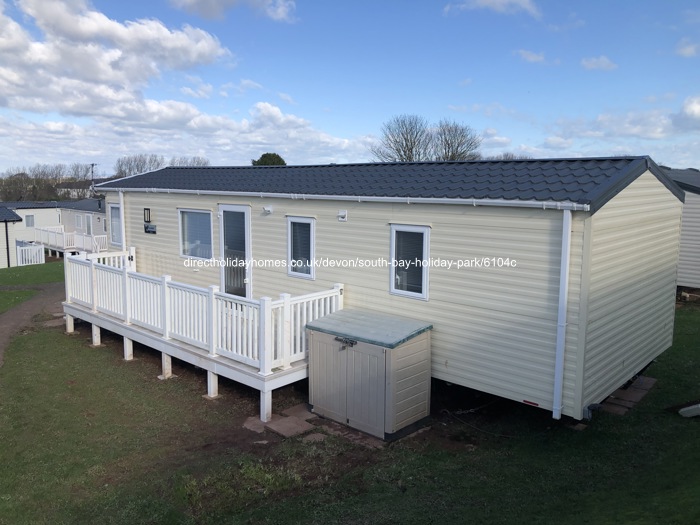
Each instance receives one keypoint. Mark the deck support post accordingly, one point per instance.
(128, 349)
(96, 335)
(212, 385)
(167, 367)
(70, 326)
(265, 406)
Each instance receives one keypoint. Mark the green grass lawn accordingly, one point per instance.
(50, 272)
(11, 298)
(88, 438)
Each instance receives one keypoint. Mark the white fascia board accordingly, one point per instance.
(545, 205)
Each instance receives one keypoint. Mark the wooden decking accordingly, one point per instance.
(259, 343)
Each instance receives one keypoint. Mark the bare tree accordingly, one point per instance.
(455, 141)
(409, 138)
(508, 155)
(135, 164)
(189, 161)
(405, 138)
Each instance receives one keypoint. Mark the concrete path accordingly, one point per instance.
(47, 301)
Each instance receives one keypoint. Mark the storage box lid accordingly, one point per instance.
(388, 331)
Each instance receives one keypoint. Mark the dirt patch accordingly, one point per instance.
(44, 304)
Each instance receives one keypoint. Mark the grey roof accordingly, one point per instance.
(21, 205)
(584, 181)
(7, 215)
(84, 205)
(688, 179)
(93, 205)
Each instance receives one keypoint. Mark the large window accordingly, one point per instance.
(300, 247)
(115, 225)
(410, 252)
(29, 219)
(195, 234)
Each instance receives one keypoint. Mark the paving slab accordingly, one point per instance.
(630, 394)
(357, 437)
(254, 424)
(643, 382)
(289, 426)
(302, 411)
(614, 409)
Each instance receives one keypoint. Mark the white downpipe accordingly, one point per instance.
(122, 219)
(561, 315)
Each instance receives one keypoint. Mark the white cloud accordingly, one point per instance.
(500, 6)
(279, 10)
(530, 56)
(601, 62)
(286, 97)
(85, 64)
(557, 143)
(686, 48)
(491, 139)
(689, 116)
(200, 88)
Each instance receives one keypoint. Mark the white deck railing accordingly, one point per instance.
(263, 333)
(55, 238)
(29, 253)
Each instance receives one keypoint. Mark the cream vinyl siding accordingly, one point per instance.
(68, 221)
(689, 259)
(11, 232)
(43, 217)
(631, 294)
(494, 328)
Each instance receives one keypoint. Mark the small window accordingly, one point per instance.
(78, 222)
(115, 225)
(410, 252)
(300, 247)
(29, 219)
(195, 234)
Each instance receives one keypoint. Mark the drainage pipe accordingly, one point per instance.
(557, 403)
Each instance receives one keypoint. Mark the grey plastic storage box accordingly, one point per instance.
(370, 371)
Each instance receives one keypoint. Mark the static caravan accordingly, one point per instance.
(549, 282)
(8, 221)
(689, 259)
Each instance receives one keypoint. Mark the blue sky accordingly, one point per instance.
(313, 81)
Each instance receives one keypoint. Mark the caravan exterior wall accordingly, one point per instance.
(495, 323)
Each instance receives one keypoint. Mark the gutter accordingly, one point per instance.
(558, 398)
(544, 205)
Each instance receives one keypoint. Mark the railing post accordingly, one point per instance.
(265, 337)
(67, 276)
(93, 285)
(213, 319)
(165, 299)
(126, 296)
(340, 288)
(131, 260)
(286, 336)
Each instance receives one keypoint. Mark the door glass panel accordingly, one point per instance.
(235, 252)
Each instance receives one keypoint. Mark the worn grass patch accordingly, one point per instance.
(89, 438)
(11, 298)
(51, 272)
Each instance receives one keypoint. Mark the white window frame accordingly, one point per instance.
(425, 230)
(26, 219)
(312, 247)
(181, 240)
(115, 234)
(78, 222)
